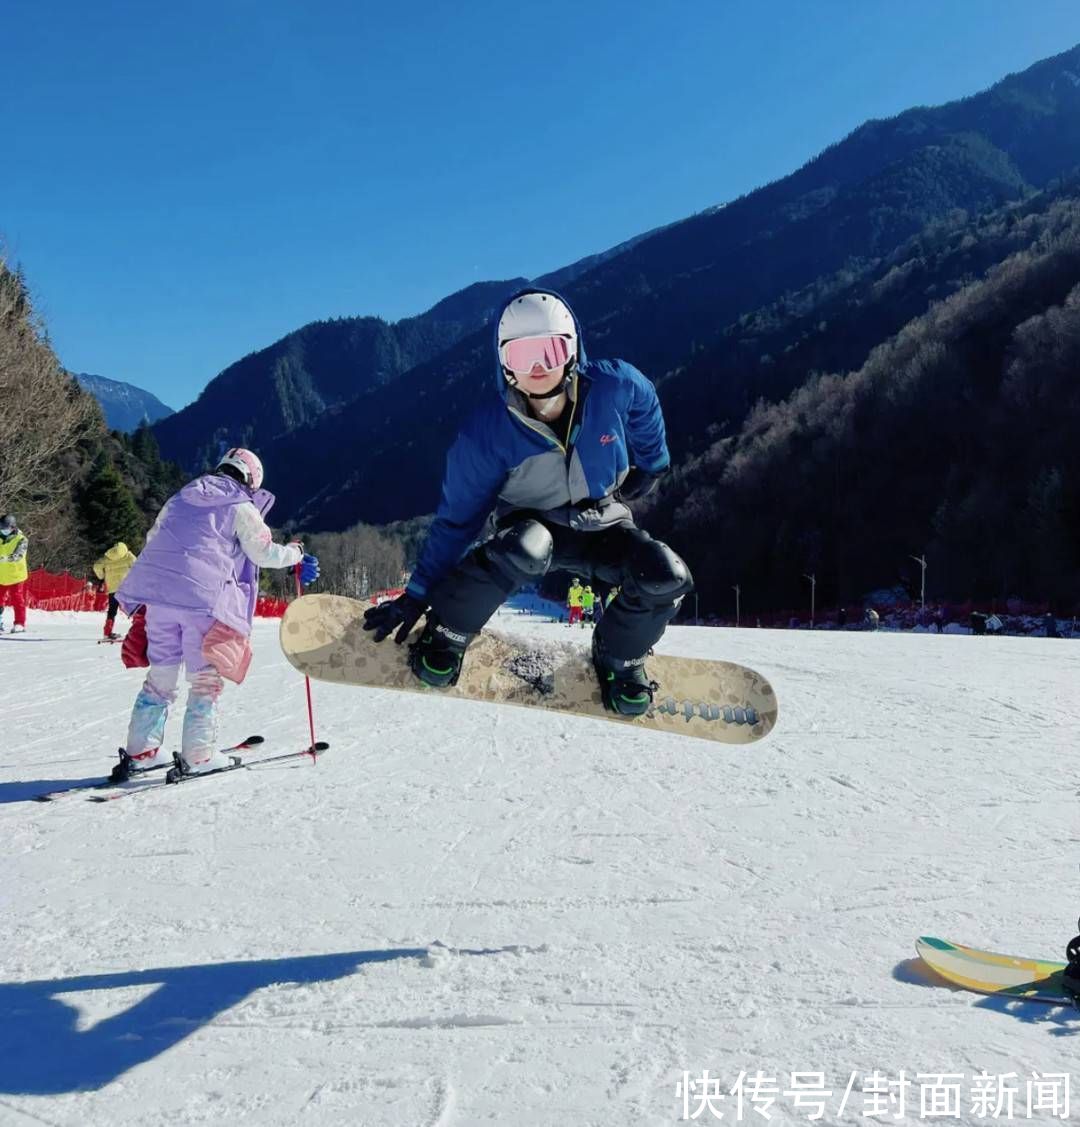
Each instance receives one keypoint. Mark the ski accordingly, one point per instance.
(109, 784)
(95, 784)
(174, 776)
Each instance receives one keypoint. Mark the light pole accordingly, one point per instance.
(813, 595)
(921, 561)
(736, 590)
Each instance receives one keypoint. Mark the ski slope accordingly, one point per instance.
(468, 914)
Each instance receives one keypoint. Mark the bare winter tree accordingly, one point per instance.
(358, 562)
(43, 412)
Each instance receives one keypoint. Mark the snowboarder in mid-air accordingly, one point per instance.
(547, 464)
(198, 578)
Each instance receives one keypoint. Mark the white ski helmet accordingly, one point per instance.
(246, 464)
(537, 315)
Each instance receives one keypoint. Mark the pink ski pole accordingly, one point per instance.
(307, 679)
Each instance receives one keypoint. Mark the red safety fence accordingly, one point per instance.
(46, 591)
(270, 607)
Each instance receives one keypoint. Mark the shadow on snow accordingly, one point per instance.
(42, 1052)
(1064, 1018)
(30, 791)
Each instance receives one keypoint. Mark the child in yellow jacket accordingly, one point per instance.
(111, 569)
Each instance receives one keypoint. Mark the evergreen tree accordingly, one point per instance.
(144, 446)
(107, 508)
(1050, 546)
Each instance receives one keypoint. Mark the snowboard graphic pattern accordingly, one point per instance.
(987, 972)
(323, 636)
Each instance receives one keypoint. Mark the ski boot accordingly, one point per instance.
(436, 658)
(1070, 976)
(624, 684)
(213, 762)
(130, 765)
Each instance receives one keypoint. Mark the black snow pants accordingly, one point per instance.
(651, 578)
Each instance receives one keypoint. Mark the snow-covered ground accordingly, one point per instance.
(469, 914)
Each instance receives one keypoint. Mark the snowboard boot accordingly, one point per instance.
(1070, 976)
(624, 684)
(436, 658)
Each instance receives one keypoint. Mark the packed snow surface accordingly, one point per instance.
(468, 914)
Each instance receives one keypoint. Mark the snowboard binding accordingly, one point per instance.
(625, 687)
(436, 658)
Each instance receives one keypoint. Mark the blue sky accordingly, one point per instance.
(185, 183)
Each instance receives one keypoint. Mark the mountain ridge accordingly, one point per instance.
(125, 405)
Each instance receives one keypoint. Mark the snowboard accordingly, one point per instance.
(323, 636)
(986, 972)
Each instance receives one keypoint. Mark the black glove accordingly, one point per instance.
(398, 614)
(638, 483)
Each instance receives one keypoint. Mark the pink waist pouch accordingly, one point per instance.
(228, 651)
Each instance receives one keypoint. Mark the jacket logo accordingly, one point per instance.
(608, 439)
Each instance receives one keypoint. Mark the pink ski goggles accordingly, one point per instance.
(523, 354)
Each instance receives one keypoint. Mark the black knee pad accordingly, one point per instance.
(522, 552)
(659, 574)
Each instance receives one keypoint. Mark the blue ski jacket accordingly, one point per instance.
(504, 460)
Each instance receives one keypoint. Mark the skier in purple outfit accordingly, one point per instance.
(198, 577)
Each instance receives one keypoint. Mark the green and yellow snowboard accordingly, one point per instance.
(987, 972)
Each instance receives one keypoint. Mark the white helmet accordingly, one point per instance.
(246, 464)
(537, 315)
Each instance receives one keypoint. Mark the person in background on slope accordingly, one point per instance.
(198, 577)
(603, 602)
(111, 569)
(547, 463)
(588, 603)
(574, 602)
(13, 572)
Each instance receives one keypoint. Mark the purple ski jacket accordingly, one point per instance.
(193, 559)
